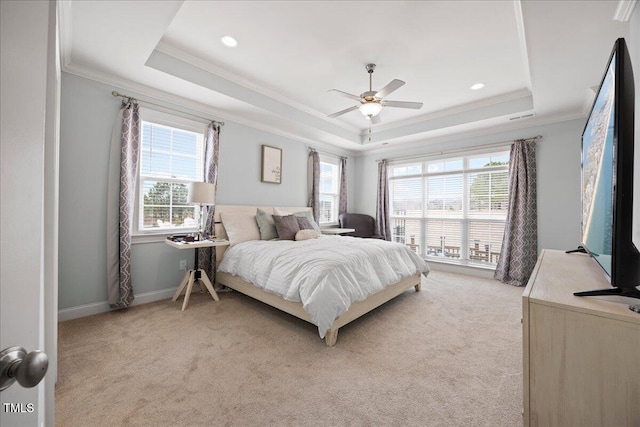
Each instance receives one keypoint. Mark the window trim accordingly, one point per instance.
(464, 219)
(157, 117)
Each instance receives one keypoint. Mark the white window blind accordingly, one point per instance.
(329, 192)
(170, 158)
(451, 209)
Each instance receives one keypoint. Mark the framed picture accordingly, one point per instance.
(271, 164)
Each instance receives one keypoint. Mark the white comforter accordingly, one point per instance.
(327, 274)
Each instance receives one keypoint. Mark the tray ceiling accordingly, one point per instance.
(537, 60)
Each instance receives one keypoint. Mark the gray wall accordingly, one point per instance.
(87, 114)
(558, 166)
(88, 111)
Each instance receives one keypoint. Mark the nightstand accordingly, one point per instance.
(196, 274)
(337, 230)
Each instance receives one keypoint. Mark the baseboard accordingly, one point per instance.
(147, 297)
(103, 307)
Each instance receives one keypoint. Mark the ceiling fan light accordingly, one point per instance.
(229, 41)
(369, 109)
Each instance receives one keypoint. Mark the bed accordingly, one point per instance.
(373, 272)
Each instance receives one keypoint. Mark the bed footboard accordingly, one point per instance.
(295, 308)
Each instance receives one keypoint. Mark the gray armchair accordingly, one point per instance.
(364, 225)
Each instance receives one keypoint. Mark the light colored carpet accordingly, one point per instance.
(449, 355)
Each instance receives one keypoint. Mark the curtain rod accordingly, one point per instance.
(459, 150)
(311, 149)
(114, 93)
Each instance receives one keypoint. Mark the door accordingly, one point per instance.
(28, 195)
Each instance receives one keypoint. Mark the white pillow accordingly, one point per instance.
(307, 234)
(240, 227)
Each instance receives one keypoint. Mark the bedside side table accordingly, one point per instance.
(196, 274)
(337, 230)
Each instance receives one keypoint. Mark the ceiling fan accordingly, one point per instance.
(371, 102)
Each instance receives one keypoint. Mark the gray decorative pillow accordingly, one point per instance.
(304, 223)
(306, 214)
(286, 226)
(309, 216)
(266, 225)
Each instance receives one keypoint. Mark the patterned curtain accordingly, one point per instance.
(207, 256)
(342, 203)
(314, 193)
(520, 242)
(123, 173)
(383, 228)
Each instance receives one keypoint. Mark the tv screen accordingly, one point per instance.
(598, 178)
(607, 178)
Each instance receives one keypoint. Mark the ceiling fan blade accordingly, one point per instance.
(376, 119)
(345, 111)
(390, 87)
(402, 104)
(348, 95)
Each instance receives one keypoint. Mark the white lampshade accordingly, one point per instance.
(202, 192)
(370, 108)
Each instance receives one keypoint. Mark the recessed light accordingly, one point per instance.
(229, 41)
(477, 86)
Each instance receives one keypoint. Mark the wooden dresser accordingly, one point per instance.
(581, 354)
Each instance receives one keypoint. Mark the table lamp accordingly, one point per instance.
(202, 193)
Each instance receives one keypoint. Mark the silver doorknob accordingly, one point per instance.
(17, 365)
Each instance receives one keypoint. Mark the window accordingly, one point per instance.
(171, 156)
(329, 192)
(451, 209)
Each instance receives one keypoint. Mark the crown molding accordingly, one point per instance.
(624, 10)
(449, 119)
(65, 31)
(358, 151)
(195, 61)
(138, 89)
(144, 90)
(524, 52)
(358, 146)
(426, 142)
(476, 105)
(177, 68)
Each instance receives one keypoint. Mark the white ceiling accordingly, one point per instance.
(536, 58)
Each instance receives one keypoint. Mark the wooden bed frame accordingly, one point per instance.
(295, 308)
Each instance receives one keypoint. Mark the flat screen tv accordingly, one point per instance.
(607, 179)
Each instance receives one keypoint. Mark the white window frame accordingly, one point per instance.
(153, 116)
(465, 218)
(334, 196)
